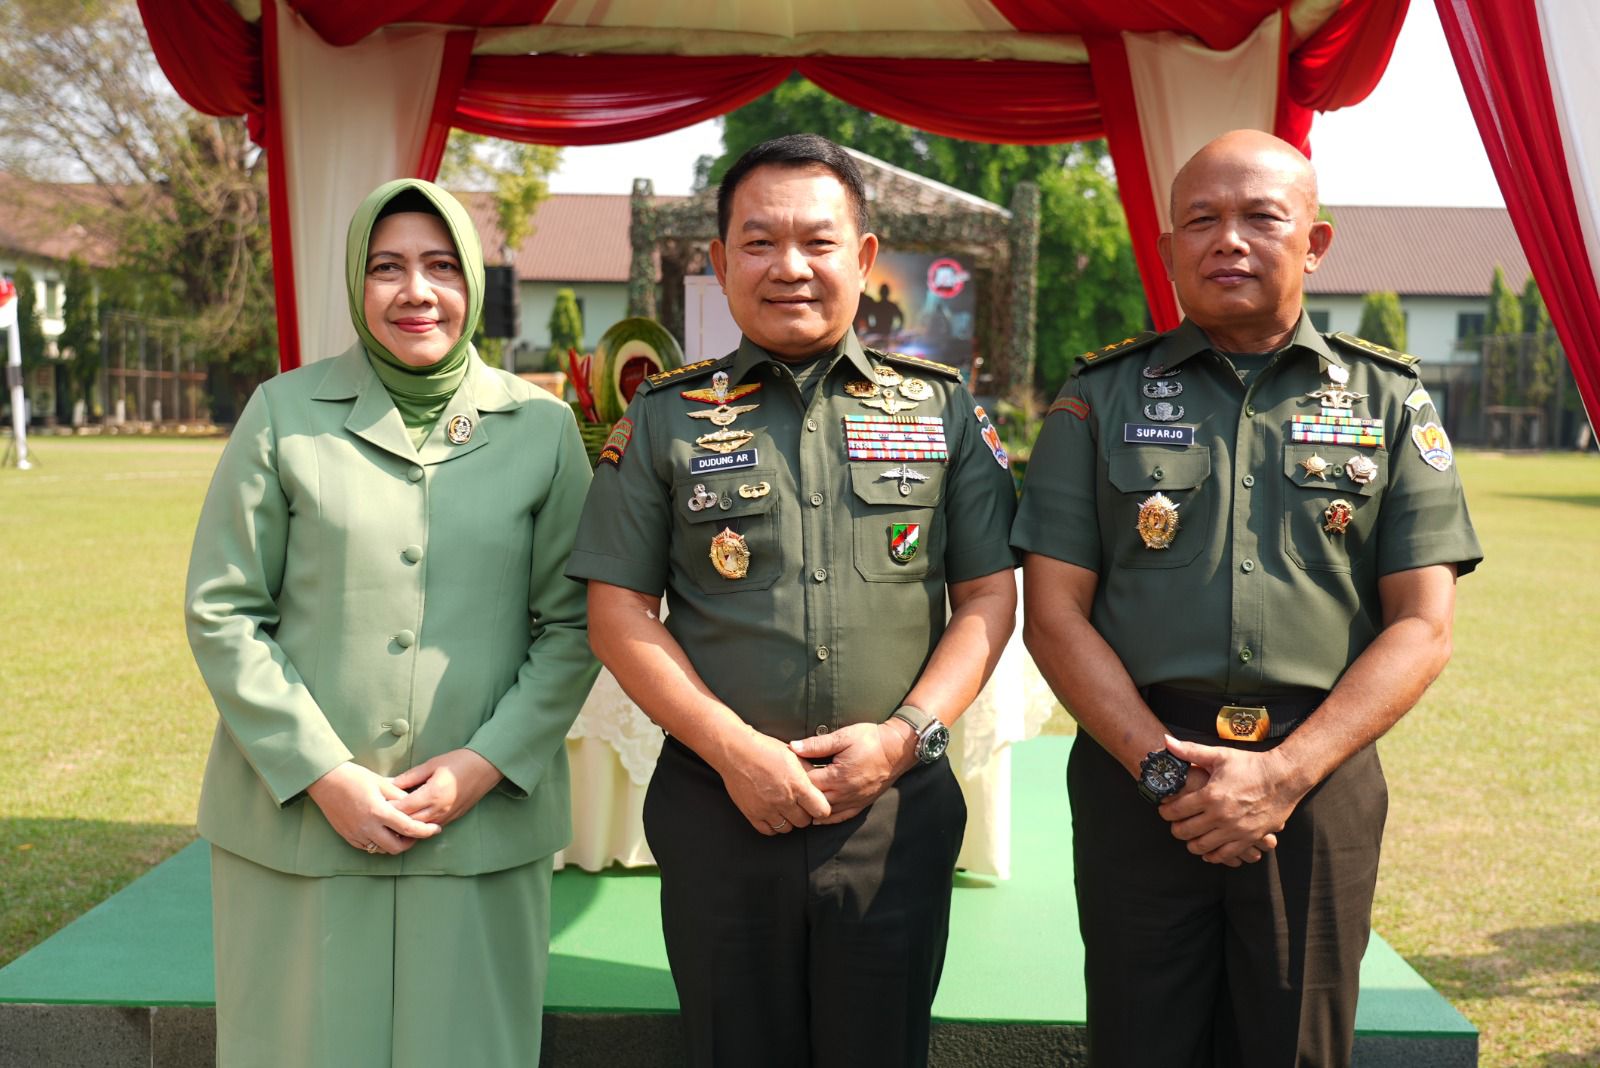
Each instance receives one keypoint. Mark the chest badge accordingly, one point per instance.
(701, 498)
(751, 492)
(904, 541)
(459, 430)
(915, 389)
(1158, 521)
(889, 403)
(1161, 389)
(719, 393)
(1361, 469)
(730, 554)
(1163, 412)
(1316, 466)
(724, 440)
(906, 476)
(860, 387)
(723, 414)
(886, 376)
(1337, 394)
(1159, 371)
(1336, 520)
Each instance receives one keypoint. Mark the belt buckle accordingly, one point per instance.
(1242, 723)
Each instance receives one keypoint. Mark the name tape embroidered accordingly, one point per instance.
(727, 461)
(1158, 433)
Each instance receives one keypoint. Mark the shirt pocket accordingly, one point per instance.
(1139, 472)
(747, 504)
(1309, 510)
(898, 526)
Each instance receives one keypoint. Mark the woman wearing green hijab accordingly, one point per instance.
(376, 602)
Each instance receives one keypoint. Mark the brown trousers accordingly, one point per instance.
(820, 947)
(1196, 965)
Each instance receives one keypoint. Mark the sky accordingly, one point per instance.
(1412, 142)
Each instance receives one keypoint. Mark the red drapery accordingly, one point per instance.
(209, 53)
(340, 22)
(1499, 54)
(453, 68)
(1221, 24)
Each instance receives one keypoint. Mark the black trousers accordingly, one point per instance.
(820, 947)
(1196, 965)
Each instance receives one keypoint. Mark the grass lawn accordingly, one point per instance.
(1491, 877)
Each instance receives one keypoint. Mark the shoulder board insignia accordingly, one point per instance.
(1350, 341)
(1107, 353)
(917, 361)
(687, 369)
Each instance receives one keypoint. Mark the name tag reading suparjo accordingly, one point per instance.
(1158, 433)
(729, 461)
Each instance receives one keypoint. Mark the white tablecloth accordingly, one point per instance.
(613, 750)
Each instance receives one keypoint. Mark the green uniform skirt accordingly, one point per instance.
(356, 971)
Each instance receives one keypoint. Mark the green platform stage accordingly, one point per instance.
(130, 982)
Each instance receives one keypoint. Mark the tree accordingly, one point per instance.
(30, 335)
(1383, 322)
(79, 340)
(566, 329)
(1089, 289)
(183, 195)
(1542, 346)
(517, 174)
(1503, 319)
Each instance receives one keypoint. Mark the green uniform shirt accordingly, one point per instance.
(827, 627)
(1255, 593)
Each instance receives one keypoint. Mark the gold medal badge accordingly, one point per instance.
(915, 389)
(861, 388)
(1158, 521)
(724, 440)
(730, 554)
(1337, 517)
(1316, 466)
(886, 375)
(459, 430)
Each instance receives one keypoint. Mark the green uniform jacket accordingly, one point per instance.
(828, 627)
(350, 598)
(1260, 591)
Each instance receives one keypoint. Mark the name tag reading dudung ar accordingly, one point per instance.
(1157, 434)
(728, 461)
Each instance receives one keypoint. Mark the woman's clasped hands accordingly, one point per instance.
(377, 814)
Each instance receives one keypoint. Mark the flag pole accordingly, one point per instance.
(19, 414)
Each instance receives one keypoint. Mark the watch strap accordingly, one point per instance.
(914, 717)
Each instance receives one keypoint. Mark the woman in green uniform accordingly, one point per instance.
(377, 604)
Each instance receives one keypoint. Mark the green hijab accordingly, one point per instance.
(420, 393)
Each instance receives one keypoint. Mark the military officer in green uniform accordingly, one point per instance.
(807, 506)
(1241, 540)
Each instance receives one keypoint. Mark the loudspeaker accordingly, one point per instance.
(500, 314)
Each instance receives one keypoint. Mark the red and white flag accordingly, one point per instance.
(8, 305)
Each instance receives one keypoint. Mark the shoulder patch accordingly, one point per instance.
(698, 367)
(1107, 353)
(1350, 341)
(1071, 405)
(917, 361)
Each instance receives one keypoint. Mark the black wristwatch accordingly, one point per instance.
(1161, 775)
(933, 737)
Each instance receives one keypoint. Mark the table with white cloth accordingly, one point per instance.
(613, 749)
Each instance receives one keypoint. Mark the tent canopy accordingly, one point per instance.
(344, 96)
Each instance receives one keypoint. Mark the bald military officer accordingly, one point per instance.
(1241, 543)
(807, 505)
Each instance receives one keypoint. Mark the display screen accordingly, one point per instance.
(922, 304)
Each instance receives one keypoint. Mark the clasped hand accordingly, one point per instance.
(368, 809)
(1233, 803)
(867, 759)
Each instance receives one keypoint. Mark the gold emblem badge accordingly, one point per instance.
(1361, 469)
(1242, 723)
(860, 387)
(760, 489)
(915, 389)
(1338, 516)
(724, 440)
(459, 430)
(723, 414)
(889, 404)
(1158, 521)
(886, 376)
(1315, 466)
(730, 555)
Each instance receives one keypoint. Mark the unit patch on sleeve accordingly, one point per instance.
(617, 444)
(1434, 445)
(1071, 405)
(991, 437)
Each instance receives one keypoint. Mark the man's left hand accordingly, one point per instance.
(867, 759)
(1247, 797)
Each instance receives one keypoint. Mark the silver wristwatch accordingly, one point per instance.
(933, 737)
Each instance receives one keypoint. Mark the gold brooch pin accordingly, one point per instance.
(1315, 466)
(915, 389)
(724, 440)
(1158, 521)
(1337, 517)
(860, 387)
(760, 489)
(459, 430)
(723, 414)
(730, 554)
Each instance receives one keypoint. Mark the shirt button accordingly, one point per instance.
(399, 728)
(811, 424)
(1250, 410)
(1158, 474)
(822, 652)
(412, 553)
(820, 574)
(1248, 566)
(414, 473)
(1245, 654)
(816, 500)
(1248, 480)
(823, 728)
(405, 639)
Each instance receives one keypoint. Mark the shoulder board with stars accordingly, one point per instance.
(1107, 353)
(1350, 341)
(917, 361)
(697, 368)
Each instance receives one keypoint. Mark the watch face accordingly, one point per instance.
(1164, 773)
(933, 744)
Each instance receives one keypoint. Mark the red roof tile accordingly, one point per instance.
(577, 237)
(54, 220)
(1419, 252)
